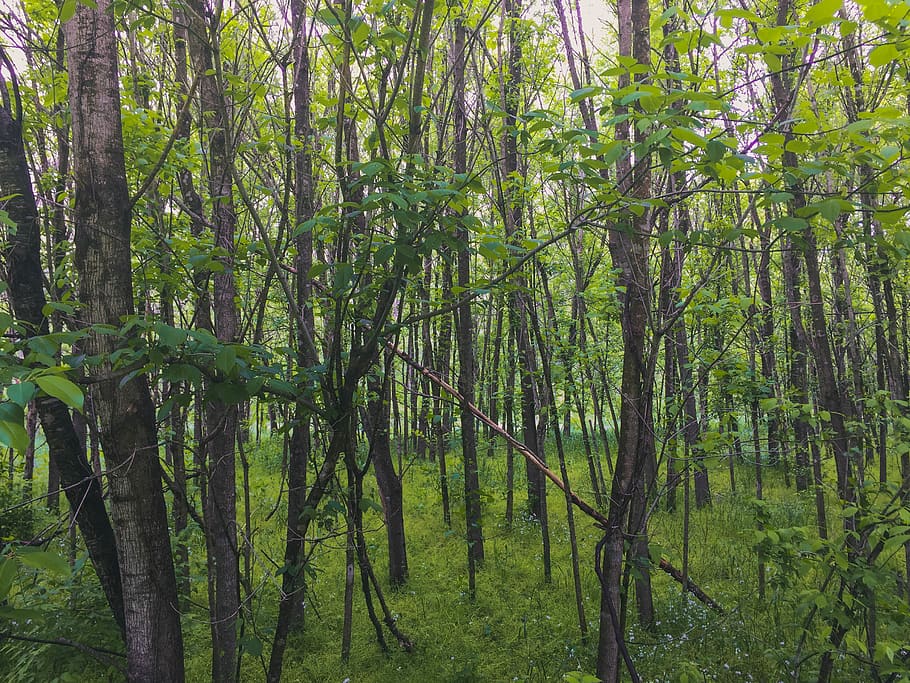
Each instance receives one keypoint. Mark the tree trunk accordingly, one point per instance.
(512, 209)
(220, 503)
(464, 324)
(292, 600)
(441, 410)
(125, 411)
(388, 481)
(26, 291)
(629, 251)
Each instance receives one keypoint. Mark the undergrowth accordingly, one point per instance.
(518, 627)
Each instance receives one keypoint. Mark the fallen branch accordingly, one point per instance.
(601, 519)
(691, 587)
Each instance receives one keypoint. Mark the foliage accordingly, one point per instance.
(774, 236)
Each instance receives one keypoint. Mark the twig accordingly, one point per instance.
(181, 115)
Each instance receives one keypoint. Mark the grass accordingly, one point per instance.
(521, 629)
(518, 628)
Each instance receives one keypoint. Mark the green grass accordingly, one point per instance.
(521, 629)
(518, 628)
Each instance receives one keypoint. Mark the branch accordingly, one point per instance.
(601, 520)
(97, 653)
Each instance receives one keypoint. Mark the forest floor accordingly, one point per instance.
(518, 627)
(521, 628)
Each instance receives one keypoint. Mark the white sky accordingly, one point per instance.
(595, 14)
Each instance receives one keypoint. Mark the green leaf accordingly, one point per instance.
(182, 372)
(859, 126)
(226, 359)
(406, 255)
(67, 10)
(328, 16)
(61, 388)
(383, 254)
(359, 33)
(830, 209)
(42, 559)
(890, 152)
(21, 393)
(344, 273)
(367, 504)
(716, 150)
(227, 392)
(690, 136)
(171, 337)
(579, 677)
(883, 54)
(13, 435)
(584, 93)
(251, 645)
(767, 404)
(616, 150)
(791, 223)
(371, 168)
(254, 386)
(317, 270)
(7, 574)
(894, 543)
(632, 97)
(822, 12)
(780, 197)
(11, 412)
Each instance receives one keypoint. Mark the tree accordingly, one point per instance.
(125, 411)
(628, 247)
(221, 414)
(23, 274)
(691, 243)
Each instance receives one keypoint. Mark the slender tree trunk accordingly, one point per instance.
(564, 473)
(508, 409)
(428, 402)
(671, 409)
(347, 624)
(293, 586)
(220, 504)
(31, 429)
(513, 209)
(629, 251)
(576, 339)
(464, 323)
(767, 355)
(493, 378)
(387, 480)
(440, 407)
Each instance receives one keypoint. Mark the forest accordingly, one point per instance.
(476, 340)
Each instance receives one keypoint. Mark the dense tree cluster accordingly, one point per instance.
(379, 233)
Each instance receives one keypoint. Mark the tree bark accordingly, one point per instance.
(127, 420)
(513, 209)
(387, 480)
(220, 501)
(464, 323)
(292, 600)
(629, 251)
